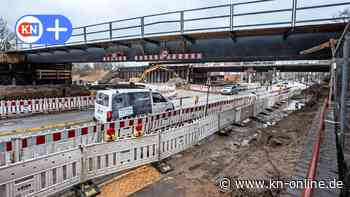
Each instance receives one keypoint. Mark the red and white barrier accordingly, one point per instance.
(32, 106)
(26, 146)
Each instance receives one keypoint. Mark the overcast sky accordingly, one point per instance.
(83, 12)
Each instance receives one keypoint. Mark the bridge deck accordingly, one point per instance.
(281, 43)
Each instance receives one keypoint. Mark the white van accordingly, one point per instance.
(114, 104)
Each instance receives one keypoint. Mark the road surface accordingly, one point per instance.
(44, 121)
(50, 120)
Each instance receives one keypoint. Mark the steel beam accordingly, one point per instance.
(151, 41)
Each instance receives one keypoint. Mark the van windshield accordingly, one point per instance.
(102, 99)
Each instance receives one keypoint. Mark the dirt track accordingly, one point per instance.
(271, 152)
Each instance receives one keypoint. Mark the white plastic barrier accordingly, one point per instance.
(42, 105)
(57, 171)
(27, 146)
(106, 158)
(43, 176)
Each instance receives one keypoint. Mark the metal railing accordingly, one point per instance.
(226, 18)
(312, 168)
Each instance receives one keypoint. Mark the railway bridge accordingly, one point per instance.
(48, 162)
(222, 33)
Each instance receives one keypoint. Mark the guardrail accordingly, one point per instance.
(311, 173)
(72, 157)
(24, 146)
(9, 108)
(226, 17)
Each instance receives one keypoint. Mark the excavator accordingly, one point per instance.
(153, 68)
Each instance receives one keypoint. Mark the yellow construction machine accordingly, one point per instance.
(148, 70)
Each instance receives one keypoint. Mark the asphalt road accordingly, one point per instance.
(46, 120)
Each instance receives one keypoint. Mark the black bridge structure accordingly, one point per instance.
(220, 33)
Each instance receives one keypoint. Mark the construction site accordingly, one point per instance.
(216, 106)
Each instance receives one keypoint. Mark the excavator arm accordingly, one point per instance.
(147, 71)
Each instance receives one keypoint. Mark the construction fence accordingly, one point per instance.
(46, 163)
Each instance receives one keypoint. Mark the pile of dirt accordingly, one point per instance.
(41, 91)
(273, 155)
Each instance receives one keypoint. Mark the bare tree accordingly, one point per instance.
(6, 36)
(343, 15)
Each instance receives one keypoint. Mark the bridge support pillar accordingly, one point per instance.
(159, 77)
(162, 76)
(249, 77)
(152, 77)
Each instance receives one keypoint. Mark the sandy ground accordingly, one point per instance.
(130, 182)
(250, 152)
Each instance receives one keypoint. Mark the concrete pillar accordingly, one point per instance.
(163, 76)
(13, 75)
(13, 81)
(157, 77)
(188, 73)
(159, 74)
(148, 78)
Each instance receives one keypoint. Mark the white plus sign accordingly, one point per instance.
(57, 29)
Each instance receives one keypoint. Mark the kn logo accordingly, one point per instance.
(43, 29)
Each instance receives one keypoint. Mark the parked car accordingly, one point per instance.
(114, 104)
(230, 90)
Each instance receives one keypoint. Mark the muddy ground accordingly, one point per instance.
(249, 152)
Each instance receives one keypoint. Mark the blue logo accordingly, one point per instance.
(43, 29)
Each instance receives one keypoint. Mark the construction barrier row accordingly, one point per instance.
(217, 89)
(43, 105)
(81, 154)
(27, 146)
